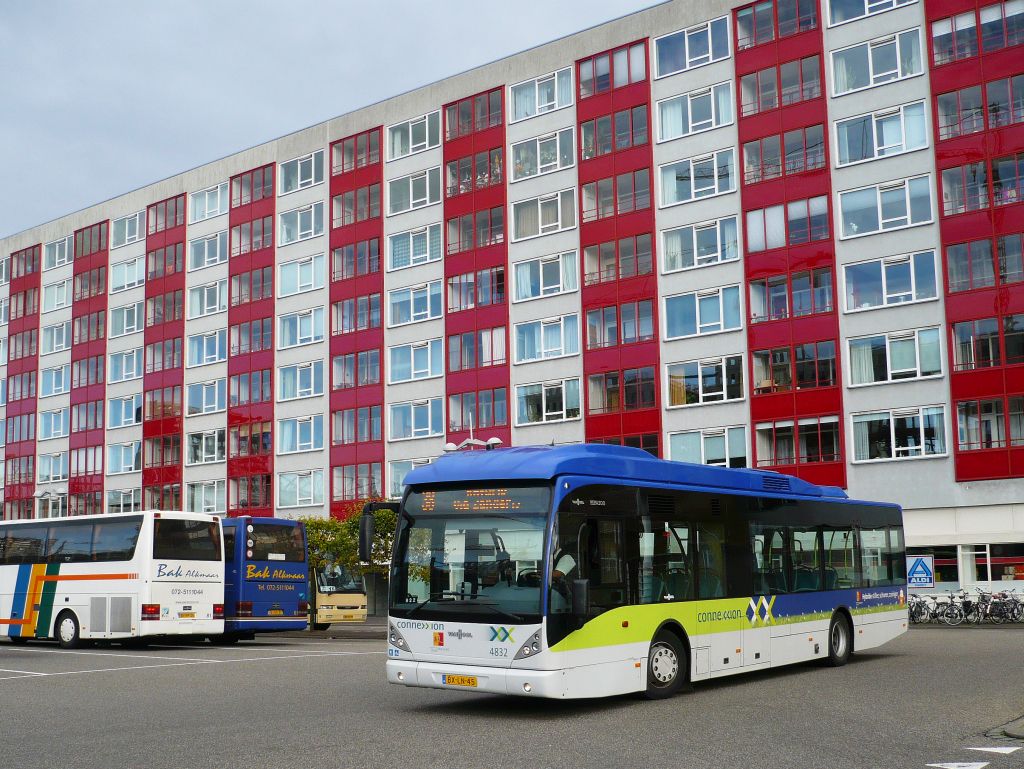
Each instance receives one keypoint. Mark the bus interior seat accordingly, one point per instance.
(805, 580)
(679, 585)
(710, 584)
(831, 578)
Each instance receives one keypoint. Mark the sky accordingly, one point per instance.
(97, 99)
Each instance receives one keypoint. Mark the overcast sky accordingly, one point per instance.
(97, 99)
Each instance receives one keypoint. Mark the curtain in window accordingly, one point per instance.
(527, 341)
(862, 361)
(401, 251)
(288, 440)
(524, 100)
(527, 280)
(401, 364)
(934, 425)
(527, 218)
(570, 335)
(674, 118)
(731, 307)
(910, 53)
(529, 406)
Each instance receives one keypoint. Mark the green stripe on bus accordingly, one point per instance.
(46, 601)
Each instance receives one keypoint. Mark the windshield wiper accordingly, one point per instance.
(476, 602)
(419, 606)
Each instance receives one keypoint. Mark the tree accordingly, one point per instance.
(331, 539)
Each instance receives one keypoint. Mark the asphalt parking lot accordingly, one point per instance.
(298, 701)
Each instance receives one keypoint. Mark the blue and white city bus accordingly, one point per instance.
(592, 570)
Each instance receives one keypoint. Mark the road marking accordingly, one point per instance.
(183, 664)
(23, 672)
(1004, 751)
(105, 654)
(960, 765)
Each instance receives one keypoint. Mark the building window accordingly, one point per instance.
(546, 276)
(412, 136)
(614, 69)
(250, 492)
(205, 447)
(416, 419)
(626, 258)
(604, 330)
(54, 381)
(841, 11)
(208, 299)
(414, 304)
(300, 434)
(798, 81)
(696, 111)
(549, 338)
(694, 178)
(165, 214)
(160, 403)
(357, 314)
(208, 203)
(791, 153)
(252, 336)
(252, 286)
(355, 152)
(811, 293)
(409, 362)
(714, 380)
(165, 497)
(206, 497)
(981, 425)
(721, 446)
(407, 249)
(476, 349)
(476, 289)
(352, 259)
(543, 155)
(252, 186)
(895, 356)
(127, 319)
(301, 275)
(299, 328)
(414, 191)
(899, 434)
(206, 397)
(704, 312)
(479, 230)
(475, 113)
(893, 280)
(57, 295)
(610, 133)
(208, 348)
(700, 245)
(161, 356)
(301, 380)
(360, 481)
(208, 251)
(542, 94)
(876, 62)
(555, 401)
(123, 412)
(881, 134)
(544, 215)
(124, 457)
(52, 424)
(810, 440)
(124, 501)
(357, 205)
(693, 47)
(128, 229)
(474, 172)
(57, 253)
(165, 308)
(617, 195)
(302, 223)
(795, 223)
(977, 342)
(253, 439)
(478, 410)
(302, 172)
(763, 22)
(252, 236)
(53, 467)
(89, 284)
(638, 391)
(894, 205)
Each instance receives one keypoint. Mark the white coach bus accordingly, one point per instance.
(112, 577)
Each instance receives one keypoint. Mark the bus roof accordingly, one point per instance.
(602, 461)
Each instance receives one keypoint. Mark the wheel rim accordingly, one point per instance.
(67, 630)
(839, 639)
(664, 665)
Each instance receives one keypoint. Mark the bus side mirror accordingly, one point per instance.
(366, 531)
(581, 598)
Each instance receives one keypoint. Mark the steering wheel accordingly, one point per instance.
(528, 578)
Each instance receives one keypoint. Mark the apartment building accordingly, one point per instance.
(781, 235)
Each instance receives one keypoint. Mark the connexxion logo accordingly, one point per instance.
(501, 634)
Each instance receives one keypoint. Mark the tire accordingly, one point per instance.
(667, 666)
(321, 625)
(953, 615)
(225, 639)
(67, 631)
(840, 641)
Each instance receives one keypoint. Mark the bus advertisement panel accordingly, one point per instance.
(115, 577)
(585, 571)
(267, 582)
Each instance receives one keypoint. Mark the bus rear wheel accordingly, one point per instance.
(68, 631)
(321, 625)
(840, 640)
(667, 666)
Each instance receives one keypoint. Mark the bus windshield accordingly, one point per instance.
(472, 554)
(277, 542)
(335, 578)
(181, 539)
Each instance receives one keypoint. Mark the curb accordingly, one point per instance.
(1014, 729)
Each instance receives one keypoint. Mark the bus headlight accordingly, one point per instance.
(530, 648)
(395, 638)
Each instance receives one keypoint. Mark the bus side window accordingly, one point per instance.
(840, 559)
(70, 543)
(806, 557)
(26, 544)
(769, 546)
(710, 560)
(874, 557)
(897, 557)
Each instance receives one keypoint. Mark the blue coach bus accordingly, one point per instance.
(266, 580)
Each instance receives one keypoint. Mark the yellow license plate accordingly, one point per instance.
(458, 680)
(186, 615)
(275, 612)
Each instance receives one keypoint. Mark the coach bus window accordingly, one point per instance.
(25, 544)
(710, 560)
(186, 540)
(229, 544)
(115, 540)
(806, 574)
(874, 557)
(840, 559)
(70, 543)
(277, 542)
(769, 545)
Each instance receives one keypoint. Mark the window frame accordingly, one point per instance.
(893, 414)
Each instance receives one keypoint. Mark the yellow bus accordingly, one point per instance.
(340, 597)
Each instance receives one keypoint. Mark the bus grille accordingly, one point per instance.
(775, 483)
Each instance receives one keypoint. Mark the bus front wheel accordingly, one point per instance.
(840, 640)
(68, 631)
(667, 666)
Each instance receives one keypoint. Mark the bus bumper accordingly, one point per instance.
(526, 683)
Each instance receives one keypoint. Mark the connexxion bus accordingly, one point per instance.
(267, 576)
(116, 576)
(590, 570)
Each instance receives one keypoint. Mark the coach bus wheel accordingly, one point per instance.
(666, 666)
(839, 640)
(321, 625)
(225, 639)
(67, 630)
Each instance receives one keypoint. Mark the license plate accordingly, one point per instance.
(448, 680)
(275, 612)
(186, 615)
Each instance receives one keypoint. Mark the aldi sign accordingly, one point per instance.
(920, 571)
